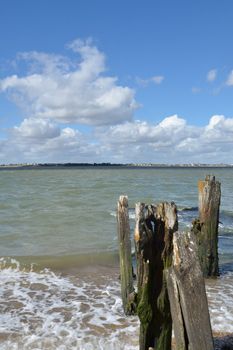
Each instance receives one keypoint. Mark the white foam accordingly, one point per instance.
(43, 310)
(220, 298)
(131, 214)
(46, 311)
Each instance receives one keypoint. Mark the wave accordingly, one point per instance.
(187, 208)
(61, 264)
(131, 213)
(226, 222)
(226, 236)
(45, 310)
(227, 213)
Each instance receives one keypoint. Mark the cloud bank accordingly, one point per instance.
(170, 141)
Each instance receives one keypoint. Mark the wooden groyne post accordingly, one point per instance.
(206, 226)
(188, 301)
(171, 287)
(126, 273)
(153, 239)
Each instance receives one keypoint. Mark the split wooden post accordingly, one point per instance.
(153, 239)
(206, 226)
(126, 275)
(188, 301)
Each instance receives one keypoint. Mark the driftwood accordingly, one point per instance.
(206, 226)
(187, 296)
(153, 239)
(126, 275)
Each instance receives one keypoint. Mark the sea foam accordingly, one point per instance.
(43, 310)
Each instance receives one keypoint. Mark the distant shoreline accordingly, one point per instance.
(108, 165)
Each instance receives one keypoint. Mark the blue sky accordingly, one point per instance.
(119, 81)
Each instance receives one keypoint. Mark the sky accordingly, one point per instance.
(116, 81)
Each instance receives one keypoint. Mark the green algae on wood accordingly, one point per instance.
(153, 239)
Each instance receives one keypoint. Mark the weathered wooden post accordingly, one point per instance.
(126, 275)
(188, 301)
(206, 226)
(153, 239)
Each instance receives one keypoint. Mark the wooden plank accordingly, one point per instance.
(126, 275)
(206, 226)
(181, 342)
(195, 332)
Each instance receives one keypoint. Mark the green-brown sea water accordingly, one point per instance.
(59, 286)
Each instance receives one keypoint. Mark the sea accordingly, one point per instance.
(59, 264)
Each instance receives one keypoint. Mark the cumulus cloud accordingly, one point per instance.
(36, 129)
(214, 143)
(211, 75)
(172, 140)
(144, 132)
(68, 91)
(39, 140)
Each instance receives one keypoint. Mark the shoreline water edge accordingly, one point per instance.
(59, 268)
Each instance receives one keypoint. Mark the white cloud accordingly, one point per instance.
(211, 75)
(220, 130)
(229, 81)
(36, 129)
(157, 79)
(173, 122)
(143, 132)
(214, 142)
(39, 140)
(170, 141)
(70, 91)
